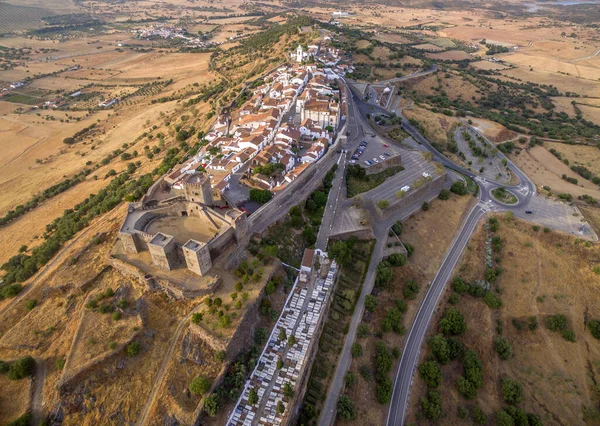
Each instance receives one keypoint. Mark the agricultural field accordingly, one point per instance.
(531, 335)
(450, 55)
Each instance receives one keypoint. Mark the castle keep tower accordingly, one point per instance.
(197, 188)
(197, 257)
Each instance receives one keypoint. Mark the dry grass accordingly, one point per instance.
(493, 131)
(544, 274)
(14, 398)
(585, 155)
(436, 126)
(450, 55)
(546, 170)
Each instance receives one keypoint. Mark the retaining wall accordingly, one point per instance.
(422, 193)
(396, 160)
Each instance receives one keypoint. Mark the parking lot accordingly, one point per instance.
(373, 150)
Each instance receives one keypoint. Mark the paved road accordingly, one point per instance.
(335, 193)
(412, 347)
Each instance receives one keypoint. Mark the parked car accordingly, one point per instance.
(386, 145)
(375, 160)
(382, 157)
(528, 212)
(405, 188)
(367, 162)
(387, 154)
(352, 161)
(426, 175)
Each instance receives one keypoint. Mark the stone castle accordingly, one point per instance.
(188, 212)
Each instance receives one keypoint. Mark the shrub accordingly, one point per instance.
(504, 419)
(365, 373)
(133, 349)
(383, 391)
(260, 336)
(459, 188)
(431, 374)
(396, 259)
(212, 405)
(410, 289)
(356, 350)
(479, 417)
(473, 368)
(425, 206)
(225, 321)
(512, 391)
(439, 348)
(22, 368)
(492, 300)
(454, 299)
(503, 347)
(557, 322)
(4, 367)
(345, 408)
(239, 286)
(252, 397)
(30, 304)
(350, 379)
(199, 385)
(383, 361)
(123, 304)
(220, 356)
(432, 405)
(197, 317)
(594, 326)
(453, 322)
(466, 388)
(456, 348)
(370, 303)
(363, 331)
(116, 316)
(568, 335)
(24, 420)
(444, 194)
(60, 364)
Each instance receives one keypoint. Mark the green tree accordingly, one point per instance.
(444, 194)
(199, 385)
(280, 408)
(440, 349)
(396, 259)
(479, 416)
(212, 405)
(345, 408)
(431, 404)
(430, 373)
(282, 335)
(504, 419)
(383, 275)
(453, 322)
(356, 350)
(133, 349)
(466, 388)
(261, 196)
(252, 397)
(512, 391)
(594, 326)
(341, 252)
(370, 303)
(503, 347)
(459, 188)
(288, 390)
(383, 390)
(492, 300)
(473, 368)
(21, 368)
(350, 379)
(260, 336)
(220, 356)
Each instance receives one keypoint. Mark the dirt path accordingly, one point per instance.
(38, 391)
(162, 370)
(593, 55)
